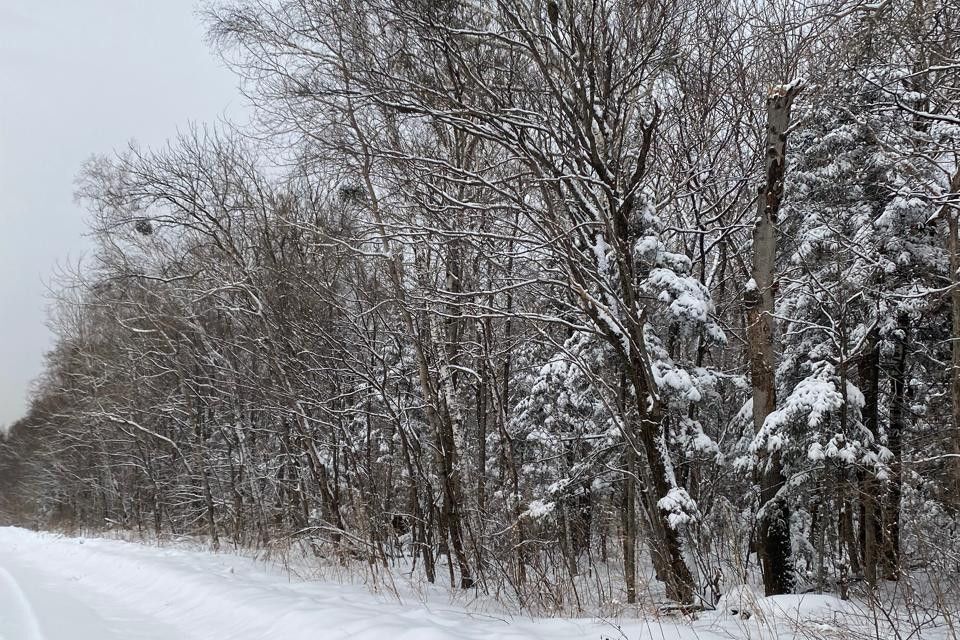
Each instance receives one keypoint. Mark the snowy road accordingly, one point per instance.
(55, 588)
(35, 605)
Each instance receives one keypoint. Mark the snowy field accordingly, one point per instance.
(56, 588)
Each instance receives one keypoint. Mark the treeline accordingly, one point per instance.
(530, 296)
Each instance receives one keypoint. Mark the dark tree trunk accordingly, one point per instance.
(665, 543)
(451, 518)
(898, 395)
(871, 524)
(629, 522)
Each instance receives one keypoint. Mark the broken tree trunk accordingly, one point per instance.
(773, 548)
(953, 248)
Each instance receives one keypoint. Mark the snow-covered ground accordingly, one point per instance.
(57, 588)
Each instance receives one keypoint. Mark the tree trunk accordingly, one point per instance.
(629, 516)
(774, 519)
(953, 247)
(482, 413)
(847, 531)
(898, 389)
(871, 528)
(666, 548)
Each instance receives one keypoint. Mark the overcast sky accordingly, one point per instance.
(79, 77)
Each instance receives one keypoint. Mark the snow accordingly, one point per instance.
(601, 253)
(49, 605)
(55, 588)
(815, 396)
(687, 297)
(679, 506)
(539, 509)
(58, 588)
(646, 247)
(676, 381)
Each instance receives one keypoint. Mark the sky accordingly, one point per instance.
(77, 78)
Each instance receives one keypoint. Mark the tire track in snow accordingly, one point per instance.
(62, 607)
(108, 590)
(17, 618)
